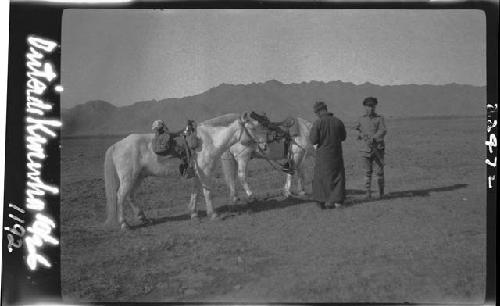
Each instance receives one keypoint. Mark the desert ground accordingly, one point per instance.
(425, 242)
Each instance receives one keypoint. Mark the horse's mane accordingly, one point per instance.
(224, 120)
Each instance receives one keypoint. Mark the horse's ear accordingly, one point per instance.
(244, 117)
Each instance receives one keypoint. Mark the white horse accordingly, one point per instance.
(130, 160)
(240, 154)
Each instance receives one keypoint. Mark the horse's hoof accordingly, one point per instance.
(287, 194)
(195, 217)
(143, 219)
(146, 220)
(213, 216)
(124, 226)
(235, 200)
(110, 225)
(301, 193)
(252, 199)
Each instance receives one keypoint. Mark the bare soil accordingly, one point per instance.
(425, 242)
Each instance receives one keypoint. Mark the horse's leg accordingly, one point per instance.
(122, 195)
(297, 160)
(288, 185)
(229, 169)
(204, 175)
(287, 189)
(195, 186)
(242, 175)
(300, 173)
(138, 212)
(300, 181)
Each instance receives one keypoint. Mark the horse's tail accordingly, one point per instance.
(111, 184)
(305, 131)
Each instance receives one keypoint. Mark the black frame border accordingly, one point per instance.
(44, 19)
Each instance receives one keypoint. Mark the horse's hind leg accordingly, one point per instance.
(300, 181)
(138, 212)
(288, 186)
(287, 189)
(122, 195)
(229, 169)
(194, 196)
(300, 175)
(297, 160)
(206, 184)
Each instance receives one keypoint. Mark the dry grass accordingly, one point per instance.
(425, 243)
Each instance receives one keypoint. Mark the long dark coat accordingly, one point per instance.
(327, 133)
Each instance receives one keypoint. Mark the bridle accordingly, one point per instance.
(266, 123)
(259, 149)
(244, 130)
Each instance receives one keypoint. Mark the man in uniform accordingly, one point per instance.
(371, 128)
(327, 133)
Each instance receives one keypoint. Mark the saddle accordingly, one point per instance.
(289, 125)
(180, 144)
(280, 132)
(287, 128)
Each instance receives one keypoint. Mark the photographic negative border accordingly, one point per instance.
(38, 25)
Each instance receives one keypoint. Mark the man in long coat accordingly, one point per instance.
(327, 133)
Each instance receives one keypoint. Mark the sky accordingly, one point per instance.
(125, 56)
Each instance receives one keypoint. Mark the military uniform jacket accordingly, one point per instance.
(372, 126)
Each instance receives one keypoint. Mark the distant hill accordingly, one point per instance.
(278, 100)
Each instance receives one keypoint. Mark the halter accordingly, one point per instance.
(247, 132)
(266, 123)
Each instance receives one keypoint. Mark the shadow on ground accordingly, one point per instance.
(227, 211)
(263, 205)
(400, 194)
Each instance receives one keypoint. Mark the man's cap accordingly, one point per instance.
(319, 105)
(371, 101)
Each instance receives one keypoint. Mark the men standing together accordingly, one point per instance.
(327, 134)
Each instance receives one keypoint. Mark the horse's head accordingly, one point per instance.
(261, 118)
(253, 132)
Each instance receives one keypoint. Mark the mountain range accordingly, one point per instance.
(277, 100)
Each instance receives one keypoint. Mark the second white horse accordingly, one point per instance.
(235, 162)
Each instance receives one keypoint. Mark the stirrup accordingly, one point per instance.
(189, 172)
(287, 169)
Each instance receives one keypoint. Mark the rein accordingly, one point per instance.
(259, 150)
(271, 162)
(247, 132)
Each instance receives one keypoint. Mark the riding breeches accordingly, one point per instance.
(373, 163)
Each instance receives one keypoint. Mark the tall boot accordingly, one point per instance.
(368, 192)
(380, 188)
